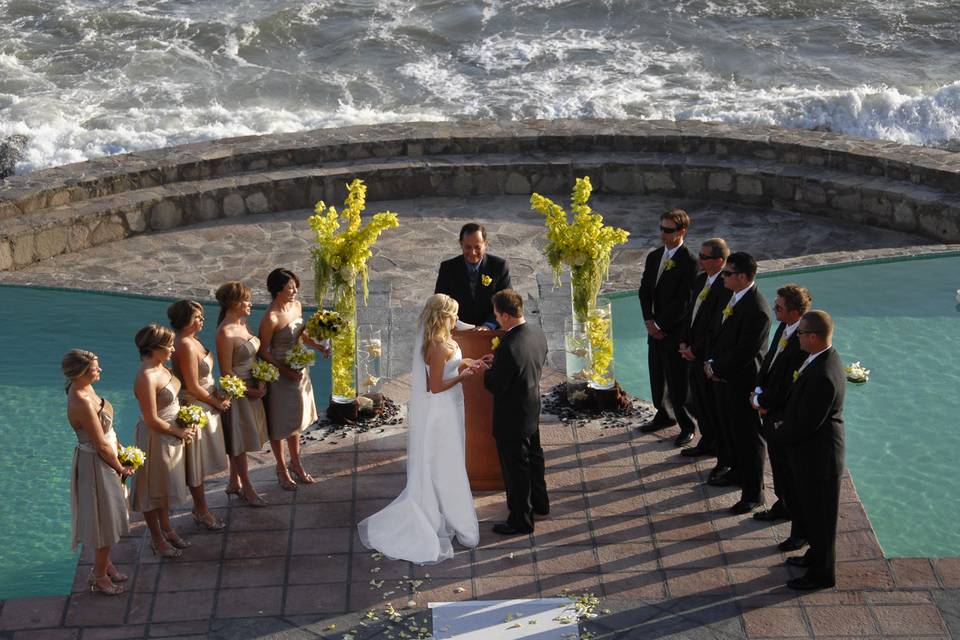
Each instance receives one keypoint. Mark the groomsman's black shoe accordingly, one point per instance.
(542, 514)
(792, 544)
(726, 477)
(810, 583)
(744, 506)
(682, 439)
(505, 529)
(655, 425)
(697, 451)
(800, 561)
(773, 514)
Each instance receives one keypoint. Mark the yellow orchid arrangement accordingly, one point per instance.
(341, 254)
(584, 245)
(601, 348)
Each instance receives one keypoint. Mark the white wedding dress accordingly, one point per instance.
(436, 505)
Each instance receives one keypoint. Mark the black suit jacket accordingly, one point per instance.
(740, 342)
(776, 378)
(700, 332)
(452, 279)
(514, 381)
(811, 430)
(668, 302)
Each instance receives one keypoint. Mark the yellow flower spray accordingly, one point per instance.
(341, 254)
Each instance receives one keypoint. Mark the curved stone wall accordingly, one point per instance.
(68, 208)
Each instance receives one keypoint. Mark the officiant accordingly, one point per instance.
(473, 277)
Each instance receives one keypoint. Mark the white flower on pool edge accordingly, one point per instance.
(856, 373)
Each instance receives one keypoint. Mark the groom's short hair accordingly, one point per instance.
(473, 227)
(509, 302)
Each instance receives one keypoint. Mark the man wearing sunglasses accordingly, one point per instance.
(736, 354)
(668, 275)
(709, 297)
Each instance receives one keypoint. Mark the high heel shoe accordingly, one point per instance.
(286, 483)
(174, 538)
(233, 491)
(115, 575)
(169, 552)
(112, 590)
(258, 501)
(304, 477)
(208, 521)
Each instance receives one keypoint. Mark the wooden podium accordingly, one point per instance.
(483, 463)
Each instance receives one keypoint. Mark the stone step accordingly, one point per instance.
(70, 227)
(222, 158)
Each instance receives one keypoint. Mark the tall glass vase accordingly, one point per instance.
(577, 351)
(369, 369)
(600, 335)
(344, 353)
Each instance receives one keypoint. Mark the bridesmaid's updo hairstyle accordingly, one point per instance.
(152, 337)
(76, 363)
(435, 319)
(229, 294)
(278, 279)
(182, 312)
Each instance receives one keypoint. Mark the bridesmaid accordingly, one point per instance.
(161, 482)
(245, 423)
(96, 494)
(290, 404)
(206, 454)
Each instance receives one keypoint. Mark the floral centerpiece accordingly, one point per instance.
(233, 386)
(264, 371)
(339, 258)
(583, 245)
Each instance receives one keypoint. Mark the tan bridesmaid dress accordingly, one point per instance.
(290, 405)
(206, 454)
(96, 494)
(161, 483)
(245, 423)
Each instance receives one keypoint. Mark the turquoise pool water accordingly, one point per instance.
(900, 320)
(39, 325)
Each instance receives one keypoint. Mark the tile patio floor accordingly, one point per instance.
(631, 522)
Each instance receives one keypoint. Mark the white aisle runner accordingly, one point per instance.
(542, 619)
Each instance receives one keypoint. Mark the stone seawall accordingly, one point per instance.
(73, 207)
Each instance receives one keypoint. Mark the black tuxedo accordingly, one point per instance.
(775, 379)
(476, 307)
(811, 433)
(514, 381)
(667, 303)
(735, 354)
(698, 334)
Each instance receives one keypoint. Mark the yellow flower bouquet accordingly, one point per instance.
(131, 456)
(192, 415)
(233, 386)
(264, 371)
(299, 357)
(324, 324)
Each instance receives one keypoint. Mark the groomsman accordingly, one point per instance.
(770, 397)
(668, 275)
(473, 277)
(709, 297)
(811, 433)
(734, 361)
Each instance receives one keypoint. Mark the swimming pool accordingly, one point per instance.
(901, 320)
(39, 325)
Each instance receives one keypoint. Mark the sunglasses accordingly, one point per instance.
(727, 273)
(668, 230)
(803, 332)
(705, 257)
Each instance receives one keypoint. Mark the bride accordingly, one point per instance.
(436, 504)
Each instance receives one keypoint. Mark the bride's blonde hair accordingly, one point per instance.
(436, 318)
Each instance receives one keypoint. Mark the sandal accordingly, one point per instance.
(208, 521)
(236, 491)
(257, 501)
(115, 575)
(96, 586)
(304, 477)
(174, 538)
(167, 551)
(286, 483)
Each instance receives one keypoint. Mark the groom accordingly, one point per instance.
(513, 377)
